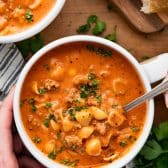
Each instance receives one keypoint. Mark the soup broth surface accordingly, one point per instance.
(71, 105)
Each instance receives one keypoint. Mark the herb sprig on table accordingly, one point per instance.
(155, 152)
(31, 46)
(97, 27)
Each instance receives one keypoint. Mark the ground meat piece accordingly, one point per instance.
(71, 140)
(50, 84)
(100, 127)
(105, 139)
(3, 22)
(72, 93)
(80, 79)
(92, 101)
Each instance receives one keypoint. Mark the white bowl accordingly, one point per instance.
(151, 66)
(38, 27)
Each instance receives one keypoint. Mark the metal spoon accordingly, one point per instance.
(159, 89)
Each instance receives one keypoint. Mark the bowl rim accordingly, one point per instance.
(37, 27)
(41, 157)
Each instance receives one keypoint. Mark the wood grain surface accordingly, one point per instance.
(75, 13)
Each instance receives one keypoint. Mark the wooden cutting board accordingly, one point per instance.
(146, 23)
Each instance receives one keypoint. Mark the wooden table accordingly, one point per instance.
(75, 13)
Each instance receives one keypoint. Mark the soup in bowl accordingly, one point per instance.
(22, 19)
(68, 104)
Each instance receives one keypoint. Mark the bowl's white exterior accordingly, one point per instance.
(150, 109)
(38, 27)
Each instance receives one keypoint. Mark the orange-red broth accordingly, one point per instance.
(45, 111)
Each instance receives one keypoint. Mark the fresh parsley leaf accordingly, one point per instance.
(99, 28)
(113, 35)
(161, 131)
(33, 108)
(36, 43)
(162, 161)
(42, 91)
(29, 16)
(36, 139)
(123, 143)
(83, 28)
(52, 155)
(46, 122)
(151, 150)
(92, 19)
(24, 47)
(98, 98)
(48, 105)
(67, 162)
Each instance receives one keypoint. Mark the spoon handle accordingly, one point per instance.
(161, 88)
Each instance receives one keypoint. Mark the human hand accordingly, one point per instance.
(12, 152)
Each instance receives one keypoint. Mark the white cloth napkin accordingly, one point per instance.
(11, 63)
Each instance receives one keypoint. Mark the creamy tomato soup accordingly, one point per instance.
(18, 15)
(71, 105)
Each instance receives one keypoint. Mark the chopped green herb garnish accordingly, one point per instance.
(114, 106)
(101, 51)
(46, 66)
(72, 114)
(113, 35)
(33, 108)
(31, 101)
(98, 98)
(46, 122)
(60, 150)
(91, 76)
(42, 91)
(123, 143)
(51, 117)
(99, 28)
(92, 19)
(48, 105)
(36, 139)
(23, 102)
(83, 29)
(135, 129)
(52, 155)
(29, 16)
(67, 162)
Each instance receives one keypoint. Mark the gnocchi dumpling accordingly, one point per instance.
(35, 87)
(67, 124)
(93, 147)
(85, 132)
(57, 73)
(98, 114)
(83, 117)
(119, 85)
(116, 117)
(56, 127)
(50, 146)
(35, 4)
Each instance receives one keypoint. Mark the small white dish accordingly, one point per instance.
(38, 27)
